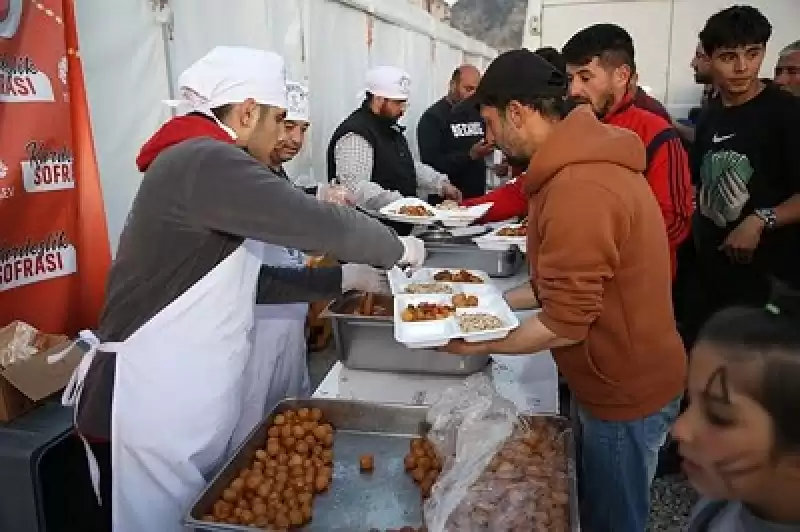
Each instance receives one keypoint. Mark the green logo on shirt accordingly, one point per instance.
(723, 192)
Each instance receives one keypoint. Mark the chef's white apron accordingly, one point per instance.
(278, 368)
(178, 395)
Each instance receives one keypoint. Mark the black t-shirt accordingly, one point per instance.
(445, 134)
(747, 157)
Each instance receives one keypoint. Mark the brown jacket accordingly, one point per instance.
(600, 267)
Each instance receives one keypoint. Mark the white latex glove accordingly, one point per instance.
(413, 253)
(364, 278)
(334, 194)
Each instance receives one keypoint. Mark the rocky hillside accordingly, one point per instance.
(499, 23)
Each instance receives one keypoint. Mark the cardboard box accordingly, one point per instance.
(23, 384)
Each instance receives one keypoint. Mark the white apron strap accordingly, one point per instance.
(74, 389)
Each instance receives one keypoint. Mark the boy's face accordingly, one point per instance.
(725, 436)
(735, 70)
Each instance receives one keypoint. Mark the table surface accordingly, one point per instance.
(531, 382)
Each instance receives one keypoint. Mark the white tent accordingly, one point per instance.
(133, 51)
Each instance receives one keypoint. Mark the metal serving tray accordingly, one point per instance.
(368, 343)
(467, 255)
(387, 498)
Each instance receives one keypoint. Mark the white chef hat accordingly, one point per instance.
(232, 74)
(389, 82)
(298, 105)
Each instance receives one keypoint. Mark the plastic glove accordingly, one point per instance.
(364, 278)
(413, 251)
(334, 194)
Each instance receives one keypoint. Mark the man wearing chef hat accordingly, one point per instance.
(160, 394)
(369, 153)
(279, 366)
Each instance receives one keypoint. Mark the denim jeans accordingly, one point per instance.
(618, 464)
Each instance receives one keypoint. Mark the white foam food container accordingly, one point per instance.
(494, 242)
(390, 211)
(398, 280)
(437, 333)
(462, 216)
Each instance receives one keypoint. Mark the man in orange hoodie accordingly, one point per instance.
(600, 271)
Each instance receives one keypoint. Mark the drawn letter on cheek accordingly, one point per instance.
(716, 389)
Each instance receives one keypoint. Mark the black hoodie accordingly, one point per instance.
(445, 135)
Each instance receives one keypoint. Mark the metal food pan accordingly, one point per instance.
(387, 498)
(368, 343)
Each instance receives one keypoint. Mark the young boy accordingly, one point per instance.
(746, 168)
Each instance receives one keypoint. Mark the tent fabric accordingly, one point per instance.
(132, 56)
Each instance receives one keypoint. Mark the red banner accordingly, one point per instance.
(54, 253)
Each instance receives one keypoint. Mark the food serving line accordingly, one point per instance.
(395, 419)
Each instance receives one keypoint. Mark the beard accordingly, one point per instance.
(387, 114)
(603, 106)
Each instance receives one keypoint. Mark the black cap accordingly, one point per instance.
(519, 75)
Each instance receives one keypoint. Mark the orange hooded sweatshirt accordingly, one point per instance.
(600, 267)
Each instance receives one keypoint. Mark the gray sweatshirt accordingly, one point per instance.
(197, 203)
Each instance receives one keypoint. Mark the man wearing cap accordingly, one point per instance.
(279, 366)
(451, 138)
(600, 273)
(369, 153)
(160, 393)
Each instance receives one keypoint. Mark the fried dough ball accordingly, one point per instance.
(418, 474)
(366, 463)
(230, 495)
(237, 484)
(222, 510)
(302, 447)
(321, 484)
(296, 517)
(320, 432)
(316, 414)
(410, 462)
(327, 456)
(282, 520)
(304, 414)
(279, 420)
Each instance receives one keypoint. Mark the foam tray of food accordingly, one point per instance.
(419, 212)
(436, 281)
(473, 313)
(504, 237)
(410, 210)
(352, 476)
(452, 214)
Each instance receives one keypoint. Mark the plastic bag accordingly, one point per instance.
(501, 472)
(23, 345)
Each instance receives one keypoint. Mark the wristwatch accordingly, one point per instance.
(768, 217)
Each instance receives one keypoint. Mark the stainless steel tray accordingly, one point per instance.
(385, 499)
(367, 343)
(470, 257)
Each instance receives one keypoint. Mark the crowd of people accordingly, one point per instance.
(647, 237)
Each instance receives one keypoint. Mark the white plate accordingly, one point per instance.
(398, 281)
(494, 242)
(431, 334)
(462, 216)
(390, 212)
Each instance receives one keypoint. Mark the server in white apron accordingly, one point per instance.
(163, 390)
(278, 367)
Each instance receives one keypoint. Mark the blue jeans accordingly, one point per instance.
(618, 464)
